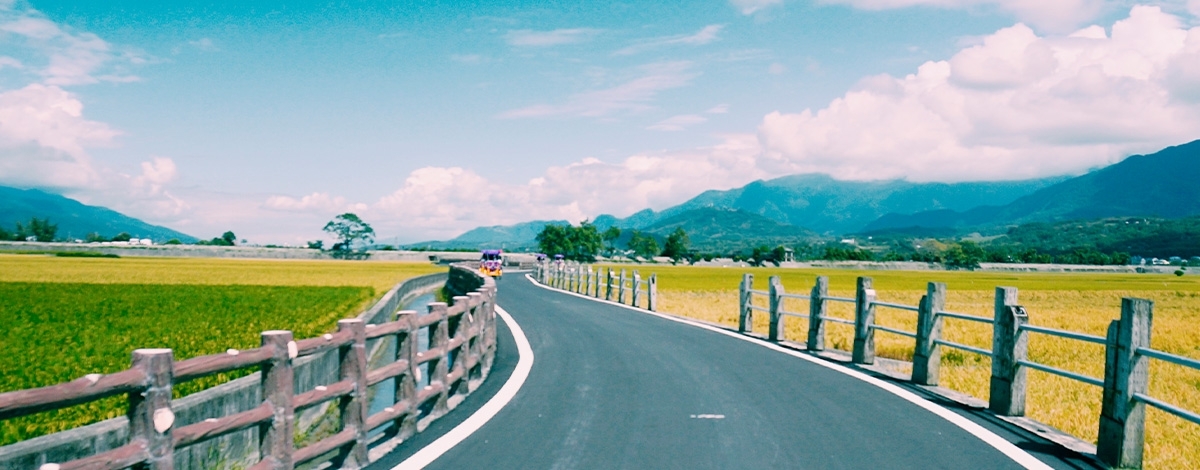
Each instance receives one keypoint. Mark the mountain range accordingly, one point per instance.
(76, 220)
(808, 206)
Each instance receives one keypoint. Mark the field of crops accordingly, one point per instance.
(1076, 302)
(67, 317)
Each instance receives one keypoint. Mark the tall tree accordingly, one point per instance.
(610, 236)
(580, 243)
(348, 229)
(676, 246)
(643, 245)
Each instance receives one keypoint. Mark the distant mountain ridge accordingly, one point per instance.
(1163, 184)
(76, 220)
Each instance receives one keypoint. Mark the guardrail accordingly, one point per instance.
(1127, 352)
(460, 349)
(586, 280)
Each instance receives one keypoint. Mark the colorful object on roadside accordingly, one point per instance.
(491, 263)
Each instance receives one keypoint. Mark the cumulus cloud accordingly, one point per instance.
(706, 35)
(1018, 105)
(43, 136)
(531, 38)
(632, 96)
(438, 202)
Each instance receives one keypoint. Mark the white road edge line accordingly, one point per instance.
(999, 443)
(485, 413)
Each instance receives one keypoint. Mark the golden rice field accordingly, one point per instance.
(67, 317)
(1072, 301)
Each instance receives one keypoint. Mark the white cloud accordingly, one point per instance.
(749, 7)
(71, 57)
(776, 68)
(320, 202)
(531, 38)
(718, 109)
(1016, 106)
(43, 136)
(6, 61)
(678, 123)
(632, 96)
(706, 35)
(438, 202)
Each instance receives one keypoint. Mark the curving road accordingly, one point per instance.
(615, 388)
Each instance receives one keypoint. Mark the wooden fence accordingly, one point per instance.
(1127, 351)
(461, 347)
(608, 284)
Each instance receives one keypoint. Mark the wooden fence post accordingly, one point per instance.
(598, 284)
(745, 313)
(816, 314)
(354, 406)
(608, 285)
(864, 318)
(406, 384)
(439, 337)
(927, 357)
(1010, 345)
(776, 304)
(637, 284)
(463, 352)
(621, 288)
(150, 415)
(278, 384)
(1126, 373)
(652, 296)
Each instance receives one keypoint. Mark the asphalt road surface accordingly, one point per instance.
(615, 388)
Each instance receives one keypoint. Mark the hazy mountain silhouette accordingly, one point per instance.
(76, 220)
(1163, 184)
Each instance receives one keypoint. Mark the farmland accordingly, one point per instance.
(1076, 302)
(67, 317)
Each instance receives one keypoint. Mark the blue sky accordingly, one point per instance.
(430, 118)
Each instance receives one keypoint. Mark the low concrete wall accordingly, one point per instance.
(233, 450)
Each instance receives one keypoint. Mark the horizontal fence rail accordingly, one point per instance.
(1127, 351)
(460, 349)
(593, 282)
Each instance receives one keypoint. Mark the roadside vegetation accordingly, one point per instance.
(68, 317)
(1070, 301)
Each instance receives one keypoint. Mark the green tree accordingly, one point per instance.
(348, 229)
(643, 245)
(610, 237)
(229, 238)
(580, 243)
(676, 246)
(316, 244)
(122, 237)
(555, 239)
(41, 229)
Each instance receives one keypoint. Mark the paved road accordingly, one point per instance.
(615, 388)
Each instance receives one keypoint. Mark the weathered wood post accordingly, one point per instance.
(621, 288)
(598, 284)
(776, 304)
(278, 384)
(439, 338)
(587, 284)
(572, 277)
(150, 415)
(816, 314)
(354, 406)
(864, 318)
(1010, 345)
(406, 384)
(652, 295)
(463, 352)
(927, 357)
(745, 313)
(1126, 373)
(608, 285)
(637, 287)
